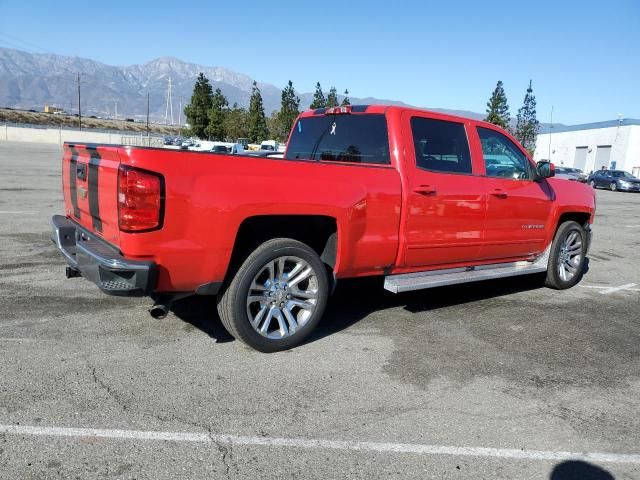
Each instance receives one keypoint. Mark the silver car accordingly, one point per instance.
(569, 173)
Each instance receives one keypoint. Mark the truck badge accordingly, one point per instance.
(333, 129)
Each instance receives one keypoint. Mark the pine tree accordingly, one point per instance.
(217, 113)
(257, 123)
(289, 111)
(497, 107)
(332, 98)
(318, 98)
(198, 108)
(345, 100)
(527, 125)
(235, 123)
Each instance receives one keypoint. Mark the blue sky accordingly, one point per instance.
(583, 56)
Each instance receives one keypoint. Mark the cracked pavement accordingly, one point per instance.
(503, 364)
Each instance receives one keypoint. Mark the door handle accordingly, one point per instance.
(425, 190)
(499, 193)
(81, 171)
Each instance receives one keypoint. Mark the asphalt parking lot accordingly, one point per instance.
(496, 380)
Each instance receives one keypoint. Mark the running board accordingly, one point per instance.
(438, 278)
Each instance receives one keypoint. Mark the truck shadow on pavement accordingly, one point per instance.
(579, 470)
(355, 299)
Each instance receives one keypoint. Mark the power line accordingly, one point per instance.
(31, 46)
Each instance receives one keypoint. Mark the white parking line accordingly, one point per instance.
(632, 226)
(607, 290)
(25, 212)
(377, 447)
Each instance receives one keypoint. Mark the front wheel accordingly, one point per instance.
(276, 297)
(567, 256)
(592, 184)
(613, 187)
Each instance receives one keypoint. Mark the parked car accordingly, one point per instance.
(614, 180)
(569, 173)
(362, 190)
(269, 145)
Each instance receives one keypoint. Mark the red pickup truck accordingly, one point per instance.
(422, 198)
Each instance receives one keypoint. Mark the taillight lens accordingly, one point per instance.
(140, 200)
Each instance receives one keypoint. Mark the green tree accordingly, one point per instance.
(217, 113)
(257, 123)
(345, 100)
(318, 98)
(197, 111)
(332, 98)
(527, 125)
(289, 111)
(497, 107)
(235, 123)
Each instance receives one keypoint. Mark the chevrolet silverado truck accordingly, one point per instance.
(421, 198)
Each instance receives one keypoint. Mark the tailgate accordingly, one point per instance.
(90, 188)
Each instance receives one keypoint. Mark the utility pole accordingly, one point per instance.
(550, 131)
(79, 109)
(148, 139)
(116, 108)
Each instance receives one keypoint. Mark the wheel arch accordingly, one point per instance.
(320, 232)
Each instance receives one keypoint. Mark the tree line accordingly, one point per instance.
(210, 116)
(527, 125)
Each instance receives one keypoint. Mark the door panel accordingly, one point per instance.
(518, 207)
(445, 203)
(517, 213)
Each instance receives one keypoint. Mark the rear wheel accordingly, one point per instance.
(613, 187)
(566, 259)
(276, 297)
(592, 184)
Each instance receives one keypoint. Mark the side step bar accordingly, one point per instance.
(438, 278)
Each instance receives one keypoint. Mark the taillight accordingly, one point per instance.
(140, 200)
(338, 110)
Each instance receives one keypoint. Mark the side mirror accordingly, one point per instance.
(545, 169)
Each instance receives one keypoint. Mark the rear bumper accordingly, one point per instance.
(101, 263)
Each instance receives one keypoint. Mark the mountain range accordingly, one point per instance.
(31, 80)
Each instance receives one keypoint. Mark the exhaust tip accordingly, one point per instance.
(159, 311)
(72, 272)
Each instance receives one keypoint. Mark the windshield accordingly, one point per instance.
(360, 138)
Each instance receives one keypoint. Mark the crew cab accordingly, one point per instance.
(422, 198)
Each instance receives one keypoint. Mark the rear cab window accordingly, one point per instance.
(352, 138)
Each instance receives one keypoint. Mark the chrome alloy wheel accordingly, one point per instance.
(570, 256)
(282, 297)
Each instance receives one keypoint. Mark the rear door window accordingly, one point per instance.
(441, 146)
(360, 138)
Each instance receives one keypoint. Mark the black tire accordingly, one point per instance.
(592, 184)
(613, 186)
(554, 279)
(232, 300)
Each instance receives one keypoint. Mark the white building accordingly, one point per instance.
(614, 144)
